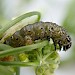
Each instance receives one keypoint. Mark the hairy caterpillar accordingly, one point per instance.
(41, 30)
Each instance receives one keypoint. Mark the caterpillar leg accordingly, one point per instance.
(54, 44)
(60, 46)
(48, 38)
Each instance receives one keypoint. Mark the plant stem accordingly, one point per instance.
(4, 47)
(17, 70)
(46, 56)
(13, 22)
(23, 48)
(18, 64)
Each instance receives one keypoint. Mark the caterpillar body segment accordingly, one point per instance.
(41, 30)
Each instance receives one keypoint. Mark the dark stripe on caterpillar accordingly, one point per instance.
(41, 30)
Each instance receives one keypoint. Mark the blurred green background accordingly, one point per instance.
(61, 12)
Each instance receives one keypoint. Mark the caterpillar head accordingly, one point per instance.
(67, 43)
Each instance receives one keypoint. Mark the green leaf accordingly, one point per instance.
(18, 19)
(5, 70)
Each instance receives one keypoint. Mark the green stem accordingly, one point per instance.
(18, 64)
(4, 47)
(13, 22)
(23, 48)
(46, 56)
(39, 54)
(17, 70)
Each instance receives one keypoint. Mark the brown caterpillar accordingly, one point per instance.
(41, 30)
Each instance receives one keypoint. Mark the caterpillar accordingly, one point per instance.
(41, 30)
